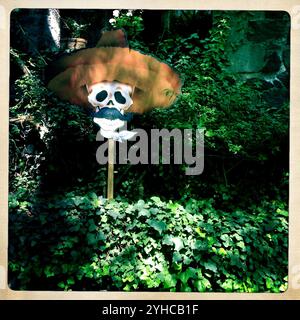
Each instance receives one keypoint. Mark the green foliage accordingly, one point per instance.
(75, 29)
(49, 138)
(237, 121)
(225, 230)
(244, 136)
(131, 21)
(84, 242)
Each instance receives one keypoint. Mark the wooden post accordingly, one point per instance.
(110, 175)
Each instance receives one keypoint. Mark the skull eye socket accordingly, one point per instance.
(119, 98)
(101, 96)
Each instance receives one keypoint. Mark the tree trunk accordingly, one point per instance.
(39, 29)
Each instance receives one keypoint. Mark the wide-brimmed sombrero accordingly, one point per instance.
(155, 83)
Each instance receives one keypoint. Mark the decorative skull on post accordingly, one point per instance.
(115, 82)
(111, 99)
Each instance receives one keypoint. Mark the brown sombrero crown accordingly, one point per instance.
(155, 83)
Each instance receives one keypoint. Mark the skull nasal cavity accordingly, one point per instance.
(119, 98)
(101, 96)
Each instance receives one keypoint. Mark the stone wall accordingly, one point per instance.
(259, 48)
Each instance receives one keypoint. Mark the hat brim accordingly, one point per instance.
(155, 83)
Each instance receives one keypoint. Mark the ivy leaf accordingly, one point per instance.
(153, 211)
(235, 261)
(226, 240)
(167, 239)
(269, 283)
(101, 236)
(178, 243)
(227, 285)
(115, 214)
(144, 213)
(282, 212)
(185, 288)
(77, 201)
(187, 260)
(177, 257)
(91, 237)
(70, 281)
(94, 238)
(187, 274)
(222, 252)
(210, 266)
(168, 280)
(159, 226)
(140, 204)
(241, 244)
(200, 245)
(200, 233)
(238, 237)
(156, 200)
(92, 225)
(49, 272)
(202, 285)
(211, 241)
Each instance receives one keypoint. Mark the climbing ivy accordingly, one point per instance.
(83, 242)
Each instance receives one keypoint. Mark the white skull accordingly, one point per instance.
(112, 95)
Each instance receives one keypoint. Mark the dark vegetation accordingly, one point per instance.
(224, 230)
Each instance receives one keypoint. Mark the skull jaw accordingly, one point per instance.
(109, 125)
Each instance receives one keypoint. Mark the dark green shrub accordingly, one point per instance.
(82, 242)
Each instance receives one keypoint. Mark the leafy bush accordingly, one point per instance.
(236, 119)
(75, 29)
(131, 21)
(209, 237)
(49, 138)
(82, 242)
(246, 140)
